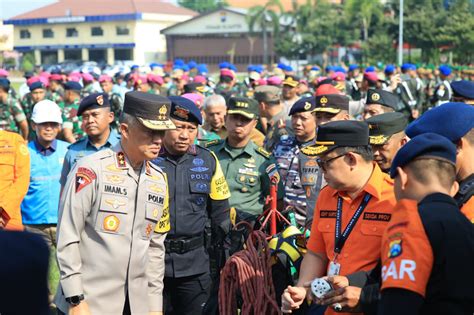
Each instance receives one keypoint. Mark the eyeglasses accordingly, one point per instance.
(323, 164)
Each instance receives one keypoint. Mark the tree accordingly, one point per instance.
(361, 13)
(202, 5)
(265, 16)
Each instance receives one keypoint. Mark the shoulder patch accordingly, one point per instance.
(264, 152)
(212, 143)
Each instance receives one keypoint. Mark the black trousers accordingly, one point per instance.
(186, 295)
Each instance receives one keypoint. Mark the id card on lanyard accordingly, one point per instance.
(340, 238)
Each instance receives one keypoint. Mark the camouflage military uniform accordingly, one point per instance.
(88, 90)
(11, 114)
(116, 105)
(278, 126)
(286, 153)
(55, 96)
(27, 105)
(71, 120)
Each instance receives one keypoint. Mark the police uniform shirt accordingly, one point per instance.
(198, 191)
(84, 147)
(426, 248)
(108, 212)
(248, 171)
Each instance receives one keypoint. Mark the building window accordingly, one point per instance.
(25, 34)
(97, 31)
(48, 33)
(123, 30)
(71, 32)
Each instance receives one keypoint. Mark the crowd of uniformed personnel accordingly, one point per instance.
(137, 182)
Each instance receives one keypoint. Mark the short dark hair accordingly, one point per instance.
(272, 103)
(425, 170)
(364, 151)
(470, 136)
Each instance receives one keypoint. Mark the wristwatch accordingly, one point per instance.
(75, 300)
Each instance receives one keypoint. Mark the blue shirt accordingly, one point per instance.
(82, 148)
(41, 203)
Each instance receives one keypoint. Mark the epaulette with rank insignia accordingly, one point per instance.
(264, 152)
(313, 150)
(212, 142)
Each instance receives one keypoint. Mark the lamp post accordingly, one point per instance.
(400, 35)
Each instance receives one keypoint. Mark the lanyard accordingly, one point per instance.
(341, 238)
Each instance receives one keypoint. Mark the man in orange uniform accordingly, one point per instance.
(428, 243)
(460, 130)
(351, 212)
(14, 178)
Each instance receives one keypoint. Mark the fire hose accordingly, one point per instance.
(248, 272)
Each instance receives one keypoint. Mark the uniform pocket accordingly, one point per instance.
(153, 213)
(199, 187)
(372, 229)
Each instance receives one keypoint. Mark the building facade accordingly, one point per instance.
(220, 35)
(97, 30)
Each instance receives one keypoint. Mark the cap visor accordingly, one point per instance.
(157, 124)
(378, 140)
(327, 110)
(241, 112)
(292, 84)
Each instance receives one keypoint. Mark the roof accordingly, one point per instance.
(104, 7)
(287, 4)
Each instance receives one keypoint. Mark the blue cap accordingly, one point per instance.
(73, 85)
(451, 120)
(155, 65)
(281, 65)
(288, 68)
(185, 68)
(224, 65)
(134, 67)
(250, 68)
(408, 66)
(202, 69)
(93, 101)
(340, 69)
(306, 104)
(445, 70)
(36, 85)
(389, 69)
(192, 64)
(232, 67)
(329, 68)
(463, 88)
(184, 109)
(5, 83)
(370, 69)
(178, 62)
(315, 68)
(259, 68)
(353, 67)
(56, 70)
(427, 145)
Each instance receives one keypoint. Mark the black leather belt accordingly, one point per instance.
(182, 246)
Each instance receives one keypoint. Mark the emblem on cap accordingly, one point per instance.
(375, 97)
(307, 105)
(181, 112)
(241, 104)
(100, 100)
(323, 100)
(163, 110)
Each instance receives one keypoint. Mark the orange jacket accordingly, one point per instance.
(14, 177)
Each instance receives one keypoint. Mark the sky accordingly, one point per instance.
(10, 8)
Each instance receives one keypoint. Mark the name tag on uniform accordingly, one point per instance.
(247, 171)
